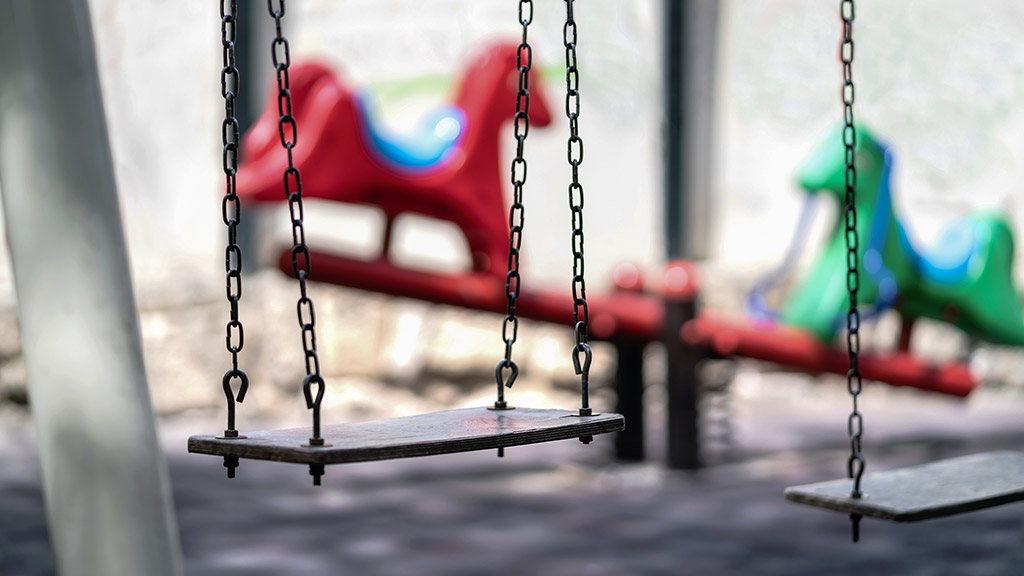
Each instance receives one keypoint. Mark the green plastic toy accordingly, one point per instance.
(964, 278)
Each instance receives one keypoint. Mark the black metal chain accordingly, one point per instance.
(288, 131)
(855, 423)
(510, 326)
(580, 312)
(231, 213)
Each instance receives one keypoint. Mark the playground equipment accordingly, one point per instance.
(449, 169)
(979, 269)
(498, 426)
(346, 157)
(965, 278)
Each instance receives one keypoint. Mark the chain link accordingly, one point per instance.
(855, 423)
(231, 212)
(288, 132)
(510, 325)
(580, 312)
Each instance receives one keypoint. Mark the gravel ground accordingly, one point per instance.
(563, 508)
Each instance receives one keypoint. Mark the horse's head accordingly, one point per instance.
(824, 169)
(490, 83)
(317, 96)
(304, 80)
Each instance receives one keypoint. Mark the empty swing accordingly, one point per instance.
(493, 427)
(942, 488)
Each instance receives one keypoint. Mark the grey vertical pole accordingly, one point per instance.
(683, 409)
(105, 478)
(689, 61)
(674, 62)
(252, 48)
(690, 38)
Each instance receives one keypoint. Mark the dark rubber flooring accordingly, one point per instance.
(561, 508)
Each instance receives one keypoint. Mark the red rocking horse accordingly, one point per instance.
(452, 171)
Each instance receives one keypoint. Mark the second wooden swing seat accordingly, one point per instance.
(924, 492)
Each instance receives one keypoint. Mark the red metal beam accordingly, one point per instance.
(802, 352)
(616, 314)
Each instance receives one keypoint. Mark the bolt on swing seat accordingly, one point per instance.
(934, 490)
(430, 434)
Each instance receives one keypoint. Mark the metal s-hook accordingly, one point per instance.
(242, 387)
(499, 370)
(307, 383)
(505, 363)
(582, 347)
(582, 368)
(313, 403)
(504, 381)
(232, 398)
(231, 462)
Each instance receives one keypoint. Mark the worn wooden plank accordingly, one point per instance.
(933, 490)
(421, 435)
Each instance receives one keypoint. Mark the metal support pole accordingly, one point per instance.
(674, 61)
(253, 36)
(689, 60)
(629, 386)
(683, 390)
(105, 478)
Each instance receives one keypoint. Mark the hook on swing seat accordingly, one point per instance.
(934, 490)
(430, 434)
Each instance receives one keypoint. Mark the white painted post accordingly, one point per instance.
(105, 477)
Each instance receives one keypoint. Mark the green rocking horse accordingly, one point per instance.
(965, 278)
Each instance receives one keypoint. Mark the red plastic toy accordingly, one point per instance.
(333, 156)
(337, 161)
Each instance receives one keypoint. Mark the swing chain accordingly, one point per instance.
(510, 326)
(288, 132)
(231, 214)
(581, 354)
(855, 424)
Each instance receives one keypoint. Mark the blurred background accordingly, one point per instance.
(949, 113)
(941, 81)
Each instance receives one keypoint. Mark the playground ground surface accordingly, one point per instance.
(565, 508)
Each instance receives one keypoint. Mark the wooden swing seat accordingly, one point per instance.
(430, 434)
(942, 488)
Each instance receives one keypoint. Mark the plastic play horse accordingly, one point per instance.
(447, 169)
(964, 278)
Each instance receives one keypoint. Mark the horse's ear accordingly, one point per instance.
(475, 55)
(489, 54)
